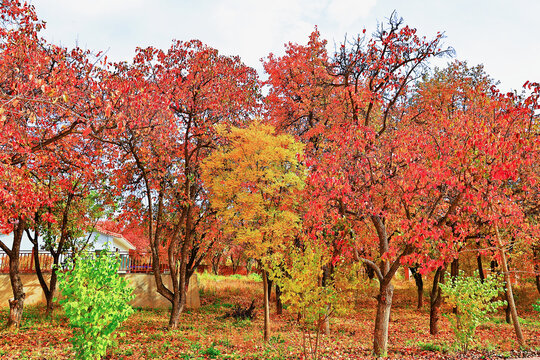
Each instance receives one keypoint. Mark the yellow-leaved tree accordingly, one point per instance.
(254, 180)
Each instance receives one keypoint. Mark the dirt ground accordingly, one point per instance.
(205, 333)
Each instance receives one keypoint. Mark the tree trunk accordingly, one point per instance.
(215, 264)
(435, 302)
(48, 290)
(235, 264)
(177, 308)
(50, 295)
(15, 312)
(249, 266)
(179, 302)
(326, 322)
(326, 278)
(454, 272)
(270, 283)
(480, 267)
(266, 308)
(507, 310)
(385, 273)
(41, 279)
(279, 304)
(454, 268)
(419, 287)
(536, 257)
(370, 272)
(493, 265)
(382, 320)
(51, 288)
(180, 278)
(16, 304)
(156, 261)
(175, 299)
(435, 315)
(49, 306)
(510, 294)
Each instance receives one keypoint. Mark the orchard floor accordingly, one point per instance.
(205, 334)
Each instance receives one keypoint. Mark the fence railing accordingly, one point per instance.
(129, 263)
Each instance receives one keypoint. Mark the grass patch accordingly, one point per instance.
(206, 277)
(212, 352)
(429, 346)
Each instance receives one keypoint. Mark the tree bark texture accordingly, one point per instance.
(177, 308)
(510, 294)
(16, 305)
(435, 302)
(279, 304)
(266, 305)
(419, 287)
(480, 267)
(536, 259)
(382, 320)
(454, 272)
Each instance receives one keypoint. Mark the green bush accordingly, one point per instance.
(537, 306)
(473, 300)
(95, 299)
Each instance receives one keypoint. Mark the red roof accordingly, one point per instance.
(133, 233)
(107, 232)
(114, 234)
(137, 236)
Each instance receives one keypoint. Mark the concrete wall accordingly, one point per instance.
(144, 288)
(146, 294)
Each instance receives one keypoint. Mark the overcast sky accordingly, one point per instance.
(502, 35)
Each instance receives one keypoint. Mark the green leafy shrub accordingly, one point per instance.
(96, 300)
(473, 300)
(304, 295)
(537, 306)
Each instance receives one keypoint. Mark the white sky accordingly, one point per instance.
(502, 35)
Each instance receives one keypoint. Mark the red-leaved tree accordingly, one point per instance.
(44, 100)
(164, 109)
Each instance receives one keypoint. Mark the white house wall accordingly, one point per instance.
(103, 241)
(26, 244)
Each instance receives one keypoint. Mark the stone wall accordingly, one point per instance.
(144, 288)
